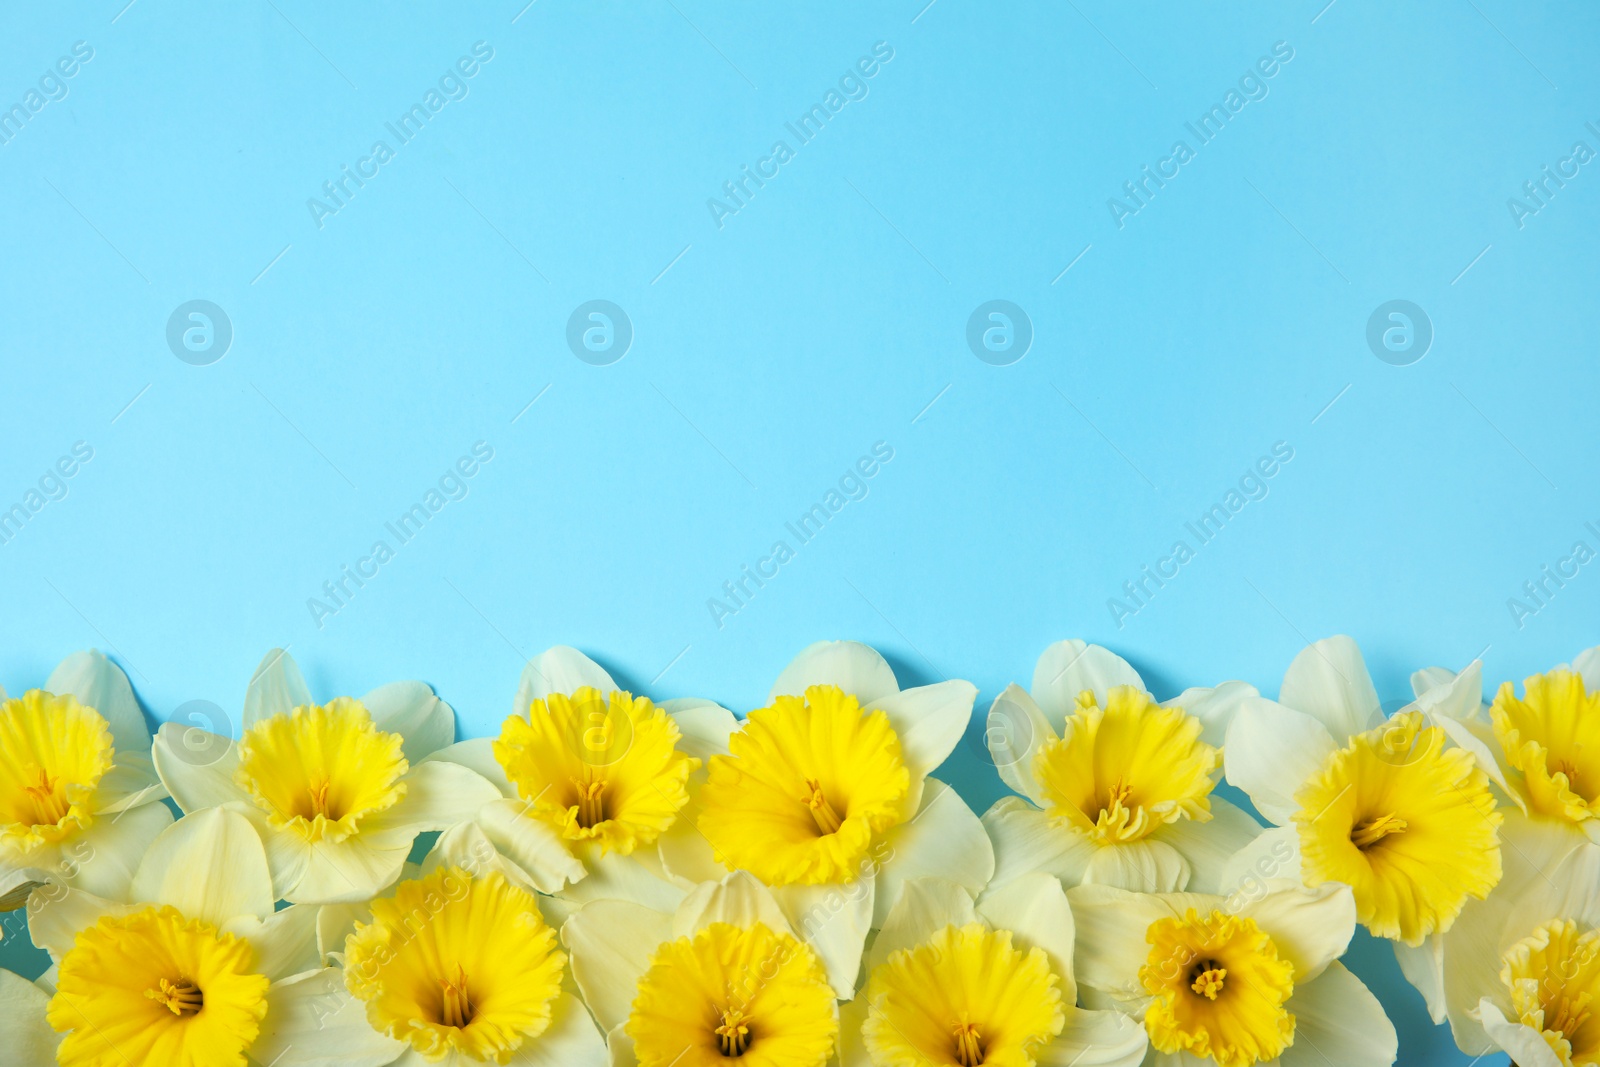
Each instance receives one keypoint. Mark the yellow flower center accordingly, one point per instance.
(1552, 735)
(1554, 979)
(1122, 772)
(320, 770)
(1219, 989)
(53, 753)
(153, 989)
(452, 963)
(734, 992)
(597, 769)
(1407, 823)
(964, 998)
(809, 784)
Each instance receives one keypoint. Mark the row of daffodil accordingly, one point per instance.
(617, 882)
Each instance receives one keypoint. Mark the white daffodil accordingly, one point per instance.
(1260, 984)
(826, 795)
(196, 970)
(79, 800)
(1116, 788)
(336, 791)
(990, 985)
(726, 976)
(1388, 807)
(589, 776)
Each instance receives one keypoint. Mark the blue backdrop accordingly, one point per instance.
(581, 310)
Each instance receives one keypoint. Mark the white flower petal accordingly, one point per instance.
(619, 1046)
(98, 683)
(312, 1021)
(685, 853)
(1013, 731)
(1587, 663)
(466, 846)
(1097, 1039)
(477, 754)
(571, 1040)
(1460, 697)
(1067, 668)
(944, 839)
(638, 877)
(197, 767)
(1274, 853)
(1034, 908)
(335, 922)
(532, 844)
(1208, 847)
(276, 688)
(56, 914)
(1026, 839)
(1526, 1046)
(27, 1038)
(1214, 707)
(1423, 966)
(561, 670)
(1429, 678)
(1109, 945)
(1147, 866)
(1477, 737)
(325, 872)
(926, 906)
(1272, 751)
(704, 724)
(833, 920)
(210, 866)
(853, 667)
(611, 943)
(1338, 1020)
(852, 1017)
(103, 858)
(438, 795)
(285, 943)
(1328, 680)
(411, 710)
(929, 720)
(739, 900)
(1311, 927)
(131, 781)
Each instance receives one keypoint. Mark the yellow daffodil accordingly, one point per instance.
(195, 969)
(953, 984)
(1388, 807)
(1116, 788)
(336, 791)
(1233, 986)
(826, 794)
(79, 800)
(725, 977)
(589, 777)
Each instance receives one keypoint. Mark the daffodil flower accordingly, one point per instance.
(1116, 788)
(985, 985)
(589, 776)
(197, 969)
(826, 795)
(79, 800)
(1388, 807)
(726, 976)
(1236, 985)
(336, 791)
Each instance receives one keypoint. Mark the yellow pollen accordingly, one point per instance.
(182, 998)
(318, 795)
(1570, 1013)
(969, 1045)
(1369, 832)
(733, 1036)
(455, 1009)
(52, 804)
(1208, 982)
(827, 819)
(591, 805)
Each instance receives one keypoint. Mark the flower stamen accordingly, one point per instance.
(827, 819)
(1369, 832)
(969, 1045)
(456, 1008)
(182, 998)
(591, 805)
(1208, 979)
(733, 1036)
(50, 801)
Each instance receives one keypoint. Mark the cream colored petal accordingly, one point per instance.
(1274, 853)
(210, 866)
(1477, 737)
(1068, 668)
(477, 754)
(276, 688)
(929, 720)
(131, 781)
(335, 922)
(852, 666)
(466, 846)
(705, 726)
(1328, 680)
(570, 1041)
(561, 669)
(638, 877)
(1034, 908)
(285, 942)
(1013, 731)
(312, 1021)
(1026, 839)
(438, 795)
(533, 845)
(346, 870)
(1209, 847)
(56, 914)
(1458, 697)
(1097, 1039)
(1310, 927)
(619, 1046)
(1338, 1020)
(1272, 751)
(197, 767)
(852, 1017)
(833, 920)
(1109, 944)
(98, 683)
(103, 858)
(27, 1039)
(411, 710)
(1147, 866)
(1423, 966)
(1214, 707)
(685, 853)
(611, 943)
(926, 906)
(943, 840)
(1526, 1046)
(739, 900)
(1587, 663)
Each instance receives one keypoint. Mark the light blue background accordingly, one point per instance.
(769, 354)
